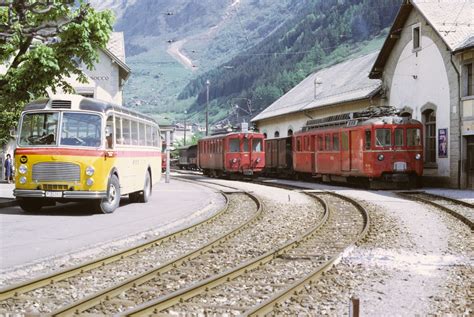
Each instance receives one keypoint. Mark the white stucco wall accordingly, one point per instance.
(419, 79)
(103, 80)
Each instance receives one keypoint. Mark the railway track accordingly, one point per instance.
(48, 293)
(250, 242)
(262, 284)
(462, 210)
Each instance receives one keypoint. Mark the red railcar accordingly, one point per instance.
(360, 147)
(232, 154)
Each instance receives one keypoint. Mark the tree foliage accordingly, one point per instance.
(42, 42)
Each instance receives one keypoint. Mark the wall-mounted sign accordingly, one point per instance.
(442, 142)
(99, 77)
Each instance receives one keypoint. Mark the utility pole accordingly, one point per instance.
(208, 83)
(185, 115)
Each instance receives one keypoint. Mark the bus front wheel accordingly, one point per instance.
(108, 204)
(30, 204)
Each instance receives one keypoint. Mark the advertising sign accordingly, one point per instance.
(442, 142)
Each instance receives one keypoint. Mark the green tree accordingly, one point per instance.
(42, 42)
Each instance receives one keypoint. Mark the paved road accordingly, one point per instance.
(25, 238)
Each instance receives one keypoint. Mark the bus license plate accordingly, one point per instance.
(248, 172)
(54, 194)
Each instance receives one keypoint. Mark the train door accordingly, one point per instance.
(345, 152)
(356, 150)
(470, 162)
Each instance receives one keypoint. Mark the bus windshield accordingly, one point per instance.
(39, 129)
(81, 129)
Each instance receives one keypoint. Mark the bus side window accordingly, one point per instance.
(118, 130)
(368, 139)
(141, 134)
(126, 131)
(149, 135)
(134, 133)
(109, 129)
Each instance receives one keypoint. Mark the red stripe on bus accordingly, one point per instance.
(82, 152)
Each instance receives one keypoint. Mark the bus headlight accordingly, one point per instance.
(90, 171)
(90, 182)
(22, 169)
(418, 156)
(380, 157)
(22, 180)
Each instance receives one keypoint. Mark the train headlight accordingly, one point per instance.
(257, 160)
(90, 171)
(23, 169)
(22, 180)
(380, 157)
(234, 160)
(418, 157)
(90, 182)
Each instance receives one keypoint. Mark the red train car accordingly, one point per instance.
(233, 154)
(278, 157)
(361, 147)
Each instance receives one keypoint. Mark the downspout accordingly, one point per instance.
(460, 165)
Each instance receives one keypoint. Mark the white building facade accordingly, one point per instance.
(424, 66)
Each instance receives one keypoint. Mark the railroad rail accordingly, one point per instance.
(13, 296)
(459, 209)
(224, 255)
(306, 250)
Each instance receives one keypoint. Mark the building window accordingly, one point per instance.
(290, 132)
(468, 82)
(416, 37)
(277, 134)
(429, 118)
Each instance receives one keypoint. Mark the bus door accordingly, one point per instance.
(345, 152)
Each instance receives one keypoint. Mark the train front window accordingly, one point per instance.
(234, 145)
(245, 143)
(413, 137)
(383, 137)
(39, 129)
(257, 145)
(81, 129)
(398, 137)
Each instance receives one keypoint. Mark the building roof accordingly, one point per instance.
(452, 20)
(116, 51)
(340, 83)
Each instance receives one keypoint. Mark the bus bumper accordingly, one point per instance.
(35, 193)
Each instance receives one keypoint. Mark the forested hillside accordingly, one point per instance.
(322, 33)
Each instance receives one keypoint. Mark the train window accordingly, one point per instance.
(245, 143)
(298, 144)
(327, 142)
(320, 143)
(383, 137)
(257, 145)
(413, 137)
(234, 145)
(399, 137)
(368, 139)
(335, 142)
(306, 143)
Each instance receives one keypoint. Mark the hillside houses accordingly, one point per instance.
(424, 68)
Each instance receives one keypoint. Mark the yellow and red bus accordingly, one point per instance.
(73, 148)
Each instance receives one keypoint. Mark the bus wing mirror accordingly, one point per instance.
(13, 133)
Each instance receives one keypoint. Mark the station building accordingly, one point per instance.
(425, 68)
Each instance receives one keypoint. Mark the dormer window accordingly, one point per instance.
(416, 37)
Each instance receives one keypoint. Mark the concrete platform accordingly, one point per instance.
(27, 238)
